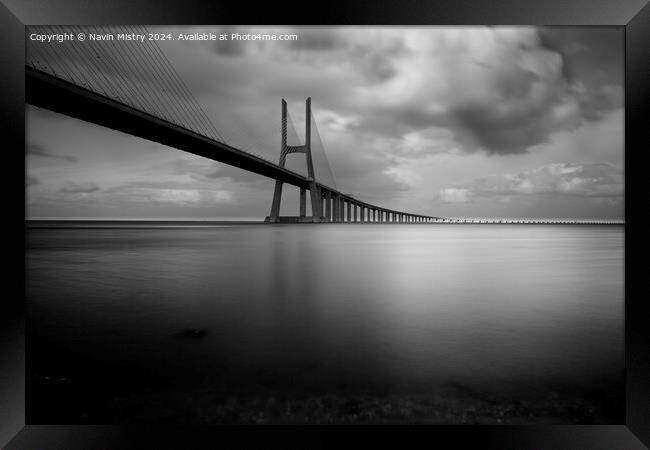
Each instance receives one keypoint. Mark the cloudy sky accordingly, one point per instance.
(444, 121)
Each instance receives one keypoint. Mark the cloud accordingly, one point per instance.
(207, 171)
(39, 150)
(167, 193)
(454, 195)
(317, 39)
(70, 187)
(583, 180)
(498, 90)
(229, 47)
(402, 113)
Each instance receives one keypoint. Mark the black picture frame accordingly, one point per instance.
(633, 15)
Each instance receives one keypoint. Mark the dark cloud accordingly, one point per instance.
(481, 126)
(317, 39)
(230, 47)
(379, 64)
(590, 54)
(79, 188)
(508, 96)
(39, 150)
(31, 181)
(379, 67)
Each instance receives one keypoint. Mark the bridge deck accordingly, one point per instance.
(50, 92)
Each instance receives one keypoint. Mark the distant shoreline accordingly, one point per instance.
(95, 224)
(134, 223)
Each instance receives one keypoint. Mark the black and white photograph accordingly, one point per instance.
(325, 225)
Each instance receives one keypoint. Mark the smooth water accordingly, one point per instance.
(517, 310)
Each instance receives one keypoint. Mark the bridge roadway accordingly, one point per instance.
(50, 92)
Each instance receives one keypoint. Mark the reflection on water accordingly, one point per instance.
(406, 310)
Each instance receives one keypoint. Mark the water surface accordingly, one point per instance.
(132, 322)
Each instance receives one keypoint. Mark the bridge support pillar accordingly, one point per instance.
(349, 211)
(314, 197)
(285, 149)
(275, 206)
(336, 209)
(328, 206)
(303, 203)
(322, 205)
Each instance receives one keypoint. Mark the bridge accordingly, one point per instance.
(130, 86)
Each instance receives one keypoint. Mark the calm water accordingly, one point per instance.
(522, 311)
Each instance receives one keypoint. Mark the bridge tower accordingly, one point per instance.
(316, 206)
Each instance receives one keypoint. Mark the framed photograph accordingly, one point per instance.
(408, 214)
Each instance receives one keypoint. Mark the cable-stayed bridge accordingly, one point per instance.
(118, 81)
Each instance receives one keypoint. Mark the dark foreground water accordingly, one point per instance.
(344, 323)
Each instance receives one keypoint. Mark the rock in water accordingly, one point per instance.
(192, 333)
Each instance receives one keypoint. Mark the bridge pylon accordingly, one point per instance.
(285, 149)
